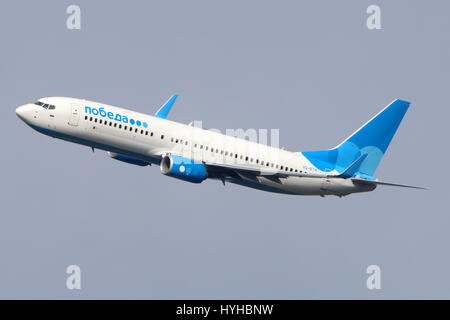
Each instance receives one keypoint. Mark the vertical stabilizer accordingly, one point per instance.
(372, 140)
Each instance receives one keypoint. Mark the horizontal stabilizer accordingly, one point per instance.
(386, 184)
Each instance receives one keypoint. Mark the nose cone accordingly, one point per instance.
(24, 112)
(20, 112)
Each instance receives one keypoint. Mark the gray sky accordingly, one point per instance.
(309, 68)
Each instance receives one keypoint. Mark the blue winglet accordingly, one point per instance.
(165, 109)
(351, 171)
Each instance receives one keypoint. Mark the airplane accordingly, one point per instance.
(193, 154)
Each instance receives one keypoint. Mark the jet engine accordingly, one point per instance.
(183, 168)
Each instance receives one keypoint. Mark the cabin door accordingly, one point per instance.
(74, 115)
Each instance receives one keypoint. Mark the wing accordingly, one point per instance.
(233, 170)
(243, 172)
(352, 170)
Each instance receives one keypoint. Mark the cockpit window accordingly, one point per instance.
(45, 105)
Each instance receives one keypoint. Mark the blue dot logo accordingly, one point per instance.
(138, 123)
(132, 121)
(145, 124)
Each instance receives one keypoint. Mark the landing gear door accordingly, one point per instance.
(74, 115)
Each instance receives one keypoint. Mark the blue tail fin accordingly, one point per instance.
(372, 139)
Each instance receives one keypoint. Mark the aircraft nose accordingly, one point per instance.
(22, 111)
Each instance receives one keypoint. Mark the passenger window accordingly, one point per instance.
(95, 120)
(125, 127)
(90, 119)
(110, 123)
(120, 126)
(115, 124)
(142, 131)
(246, 158)
(100, 121)
(151, 134)
(162, 136)
(136, 130)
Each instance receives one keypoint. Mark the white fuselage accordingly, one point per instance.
(104, 127)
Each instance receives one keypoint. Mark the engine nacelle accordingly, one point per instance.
(183, 168)
(128, 159)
